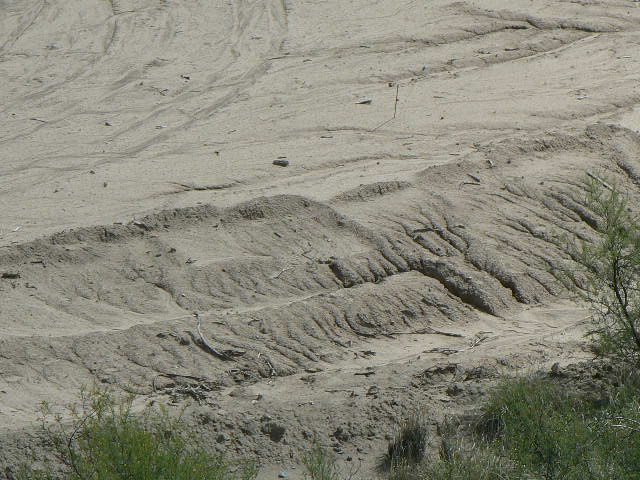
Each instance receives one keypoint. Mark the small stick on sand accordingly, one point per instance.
(598, 179)
(281, 272)
(395, 106)
(395, 110)
(428, 331)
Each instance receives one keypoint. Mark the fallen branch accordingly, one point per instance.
(281, 272)
(444, 351)
(365, 374)
(272, 371)
(208, 347)
(598, 179)
(395, 110)
(189, 187)
(429, 331)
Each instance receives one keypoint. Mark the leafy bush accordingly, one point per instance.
(105, 440)
(608, 274)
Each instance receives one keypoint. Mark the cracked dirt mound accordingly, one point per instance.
(138, 189)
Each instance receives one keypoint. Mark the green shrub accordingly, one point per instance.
(534, 429)
(538, 425)
(105, 440)
(608, 273)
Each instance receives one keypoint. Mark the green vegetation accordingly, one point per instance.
(320, 464)
(533, 428)
(608, 273)
(537, 429)
(103, 439)
(408, 446)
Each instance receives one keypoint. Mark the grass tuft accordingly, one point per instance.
(408, 446)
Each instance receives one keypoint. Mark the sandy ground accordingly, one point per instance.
(434, 155)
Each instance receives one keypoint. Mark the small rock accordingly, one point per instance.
(283, 475)
(222, 437)
(281, 162)
(185, 341)
(108, 124)
(10, 275)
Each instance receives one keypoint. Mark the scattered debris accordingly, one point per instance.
(38, 119)
(364, 102)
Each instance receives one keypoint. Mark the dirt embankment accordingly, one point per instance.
(396, 262)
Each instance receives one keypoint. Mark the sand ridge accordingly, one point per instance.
(138, 189)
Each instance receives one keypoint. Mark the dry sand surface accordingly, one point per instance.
(434, 153)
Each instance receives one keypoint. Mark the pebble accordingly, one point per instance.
(283, 475)
(281, 163)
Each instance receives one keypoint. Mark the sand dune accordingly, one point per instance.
(435, 155)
